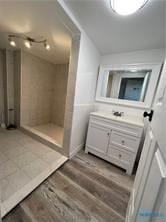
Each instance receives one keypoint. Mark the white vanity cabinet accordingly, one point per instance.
(115, 139)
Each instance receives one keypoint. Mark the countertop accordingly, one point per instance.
(134, 120)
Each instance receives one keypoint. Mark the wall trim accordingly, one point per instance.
(76, 150)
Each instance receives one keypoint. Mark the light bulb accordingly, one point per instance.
(127, 7)
(47, 46)
(12, 43)
(28, 44)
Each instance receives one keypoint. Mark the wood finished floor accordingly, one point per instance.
(85, 189)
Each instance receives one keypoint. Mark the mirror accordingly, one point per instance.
(126, 84)
(130, 84)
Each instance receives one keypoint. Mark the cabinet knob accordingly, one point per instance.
(120, 155)
(108, 134)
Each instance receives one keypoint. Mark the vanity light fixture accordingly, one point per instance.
(127, 7)
(28, 41)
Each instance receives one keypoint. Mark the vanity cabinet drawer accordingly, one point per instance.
(119, 126)
(120, 157)
(125, 141)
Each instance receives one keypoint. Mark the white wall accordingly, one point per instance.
(88, 63)
(148, 56)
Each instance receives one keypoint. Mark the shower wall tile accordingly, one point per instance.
(43, 91)
(60, 91)
(37, 90)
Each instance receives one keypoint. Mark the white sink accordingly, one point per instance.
(135, 120)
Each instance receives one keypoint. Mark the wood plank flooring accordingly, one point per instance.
(85, 189)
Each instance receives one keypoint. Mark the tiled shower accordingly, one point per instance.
(43, 97)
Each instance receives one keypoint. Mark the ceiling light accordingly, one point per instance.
(47, 46)
(127, 7)
(28, 44)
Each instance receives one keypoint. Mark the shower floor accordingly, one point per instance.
(50, 132)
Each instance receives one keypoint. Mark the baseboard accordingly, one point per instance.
(76, 150)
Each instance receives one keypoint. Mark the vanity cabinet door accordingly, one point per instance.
(98, 138)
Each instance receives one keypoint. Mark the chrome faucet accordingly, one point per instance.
(117, 113)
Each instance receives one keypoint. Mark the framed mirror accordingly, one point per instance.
(132, 85)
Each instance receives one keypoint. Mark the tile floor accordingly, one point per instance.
(50, 132)
(24, 164)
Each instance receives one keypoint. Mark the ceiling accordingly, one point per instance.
(113, 33)
(36, 19)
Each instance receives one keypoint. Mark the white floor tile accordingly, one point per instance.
(51, 156)
(24, 159)
(18, 180)
(39, 149)
(35, 168)
(8, 145)
(6, 188)
(15, 152)
(7, 169)
(24, 164)
(3, 158)
(25, 140)
(10, 142)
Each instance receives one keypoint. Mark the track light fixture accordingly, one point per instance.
(28, 41)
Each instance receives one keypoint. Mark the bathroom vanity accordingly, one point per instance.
(115, 139)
